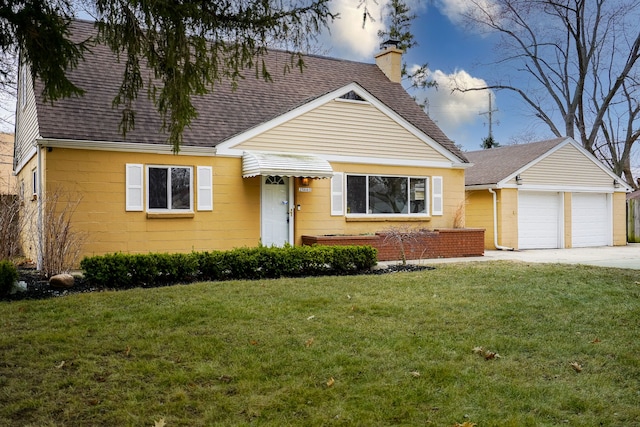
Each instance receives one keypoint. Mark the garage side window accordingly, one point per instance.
(169, 188)
(387, 195)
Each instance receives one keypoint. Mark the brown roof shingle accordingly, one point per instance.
(222, 113)
(493, 165)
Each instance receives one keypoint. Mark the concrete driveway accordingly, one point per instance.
(605, 256)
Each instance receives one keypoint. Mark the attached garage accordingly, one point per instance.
(544, 195)
(539, 220)
(590, 220)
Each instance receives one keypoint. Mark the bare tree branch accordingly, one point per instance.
(582, 56)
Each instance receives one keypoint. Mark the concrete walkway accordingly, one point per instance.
(605, 256)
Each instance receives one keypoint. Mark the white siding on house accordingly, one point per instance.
(566, 167)
(26, 121)
(347, 129)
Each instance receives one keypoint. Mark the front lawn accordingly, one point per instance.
(495, 344)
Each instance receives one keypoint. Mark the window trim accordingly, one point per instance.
(34, 181)
(408, 215)
(168, 168)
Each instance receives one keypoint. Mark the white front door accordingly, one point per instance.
(276, 211)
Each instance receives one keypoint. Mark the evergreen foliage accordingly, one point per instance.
(8, 276)
(489, 142)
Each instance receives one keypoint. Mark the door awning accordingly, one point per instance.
(297, 165)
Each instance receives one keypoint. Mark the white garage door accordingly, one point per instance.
(539, 220)
(590, 220)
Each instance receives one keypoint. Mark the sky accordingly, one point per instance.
(454, 52)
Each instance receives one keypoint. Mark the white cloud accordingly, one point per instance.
(456, 9)
(454, 107)
(455, 111)
(348, 39)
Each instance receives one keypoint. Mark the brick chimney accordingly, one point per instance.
(389, 60)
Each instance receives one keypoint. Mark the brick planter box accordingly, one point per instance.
(443, 243)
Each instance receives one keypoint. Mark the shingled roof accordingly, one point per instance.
(223, 113)
(493, 165)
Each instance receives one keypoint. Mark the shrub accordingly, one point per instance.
(120, 270)
(60, 244)
(8, 276)
(12, 223)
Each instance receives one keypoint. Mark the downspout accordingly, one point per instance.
(495, 223)
(39, 229)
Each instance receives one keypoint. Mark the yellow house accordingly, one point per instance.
(548, 194)
(340, 148)
(7, 180)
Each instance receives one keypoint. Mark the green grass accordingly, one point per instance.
(398, 348)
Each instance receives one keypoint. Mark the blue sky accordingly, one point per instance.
(454, 52)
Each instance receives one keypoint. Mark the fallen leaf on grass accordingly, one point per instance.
(331, 382)
(415, 374)
(488, 355)
(576, 366)
(465, 424)
(595, 341)
(159, 423)
(309, 342)
(225, 378)
(127, 352)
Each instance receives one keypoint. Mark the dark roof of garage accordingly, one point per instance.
(493, 165)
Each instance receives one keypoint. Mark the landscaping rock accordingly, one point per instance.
(62, 281)
(20, 286)
(380, 266)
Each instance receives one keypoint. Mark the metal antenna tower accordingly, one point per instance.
(490, 116)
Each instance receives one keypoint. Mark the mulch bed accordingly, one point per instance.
(38, 288)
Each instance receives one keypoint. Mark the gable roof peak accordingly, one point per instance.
(493, 165)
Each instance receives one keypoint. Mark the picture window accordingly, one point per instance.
(387, 195)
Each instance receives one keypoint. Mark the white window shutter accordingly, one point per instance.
(205, 188)
(134, 193)
(337, 198)
(437, 196)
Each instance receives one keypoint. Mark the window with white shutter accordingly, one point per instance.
(134, 193)
(437, 194)
(337, 197)
(205, 188)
